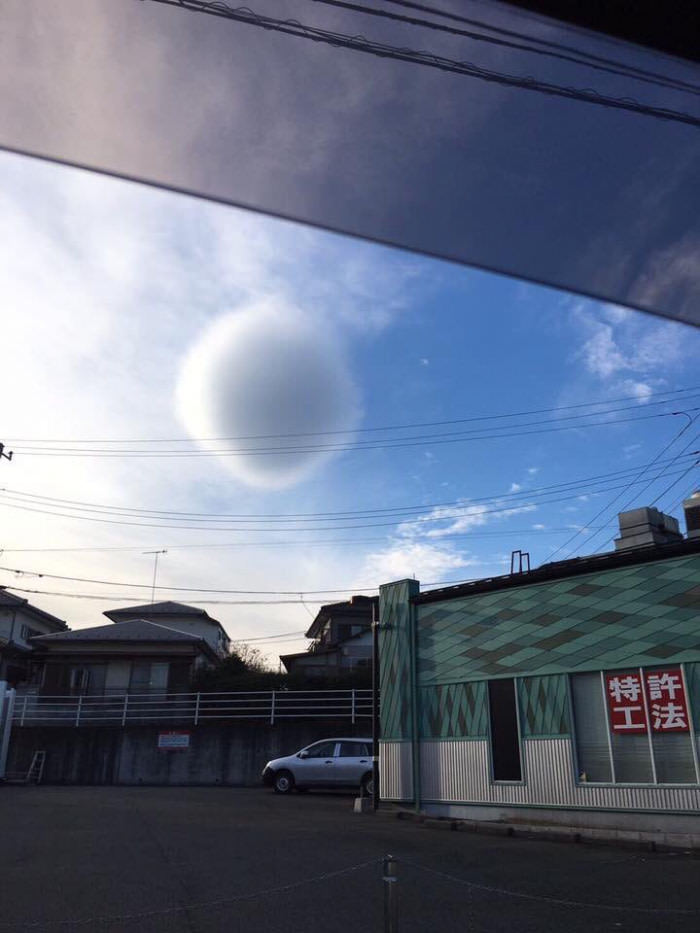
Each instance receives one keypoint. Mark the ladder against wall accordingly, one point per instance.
(33, 775)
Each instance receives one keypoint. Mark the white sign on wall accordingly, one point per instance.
(177, 740)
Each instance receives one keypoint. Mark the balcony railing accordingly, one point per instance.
(129, 708)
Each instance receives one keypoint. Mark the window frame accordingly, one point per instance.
(692, 733)
(489, 738)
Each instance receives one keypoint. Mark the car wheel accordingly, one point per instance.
(284, 782)
(368, 784)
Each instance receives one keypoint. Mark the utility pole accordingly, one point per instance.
(156, 555)
(3, 455)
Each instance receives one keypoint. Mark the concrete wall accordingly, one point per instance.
(219, 753)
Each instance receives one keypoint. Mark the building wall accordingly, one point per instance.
(231, 753)
(437, 658)
(195, 625)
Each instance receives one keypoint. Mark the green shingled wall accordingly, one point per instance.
(544, 706)
(395, 659)
(454, 711)
(643, 614)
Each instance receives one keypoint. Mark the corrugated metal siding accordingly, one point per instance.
(459, 771)
(395, 772)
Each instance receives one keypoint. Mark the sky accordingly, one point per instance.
(138, 321)
(581, 193)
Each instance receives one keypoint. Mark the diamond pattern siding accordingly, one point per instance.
(395, 658)
(454, 711)
(635, 615)
(544, 706)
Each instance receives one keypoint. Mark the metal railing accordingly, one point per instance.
(126, 708)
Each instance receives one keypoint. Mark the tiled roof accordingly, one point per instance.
(9, 599)
(166, 608)
(640, 614)
(136, 630)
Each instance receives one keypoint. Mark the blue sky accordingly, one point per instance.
(133, 313)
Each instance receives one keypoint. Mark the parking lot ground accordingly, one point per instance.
(200, 860)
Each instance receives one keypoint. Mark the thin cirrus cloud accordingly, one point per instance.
(258, 375)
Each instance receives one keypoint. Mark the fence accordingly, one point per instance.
(130, 708)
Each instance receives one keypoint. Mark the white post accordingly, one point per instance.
(196, 709)
(353, 706)
(272, 709)
(7, 706)
(77, 712)
(25, 699)
(125, 708)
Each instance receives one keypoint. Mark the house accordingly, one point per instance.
(19, 623)
(137, 656)
(342, 640)
(566, 694)
(178, 616)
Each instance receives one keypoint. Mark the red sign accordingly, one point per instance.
(667, 702)
(626, 703)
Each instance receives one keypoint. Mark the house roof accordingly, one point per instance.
(164, 608)
(136, 631)
(562, 569)
(9, 599)
(358, 606)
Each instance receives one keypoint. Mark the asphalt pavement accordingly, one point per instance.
(200, 860)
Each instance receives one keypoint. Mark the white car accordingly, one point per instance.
(344, 762)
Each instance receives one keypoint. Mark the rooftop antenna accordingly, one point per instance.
(156, 555)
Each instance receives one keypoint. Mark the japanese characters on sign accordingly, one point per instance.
(668, 705)
(666, 702)
(626, 703)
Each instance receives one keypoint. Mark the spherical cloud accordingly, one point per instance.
(268, 369)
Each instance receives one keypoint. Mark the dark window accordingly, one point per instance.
(354, 750)
(505, 741)
(322, 750)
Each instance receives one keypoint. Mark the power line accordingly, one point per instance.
(693, 466)
(510, 508)
(355, 447)
(31, 498)
(619, 69)
(664, 397)
(619, 496)
(500, 30)
(203, 602)
(430, 60)
(335, 542)
(651, 482)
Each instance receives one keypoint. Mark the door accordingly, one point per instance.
(354, 761)
(319, 766)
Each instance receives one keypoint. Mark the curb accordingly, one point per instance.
(636, 839)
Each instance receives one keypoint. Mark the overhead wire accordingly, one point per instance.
(511, 507)
(615, 498)
(348, 446)
(664, 397)
(220, 9)
(335, 542)
(18, 495)
(618, 69)
(546, 43)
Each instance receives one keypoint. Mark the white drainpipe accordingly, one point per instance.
(7, 705)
